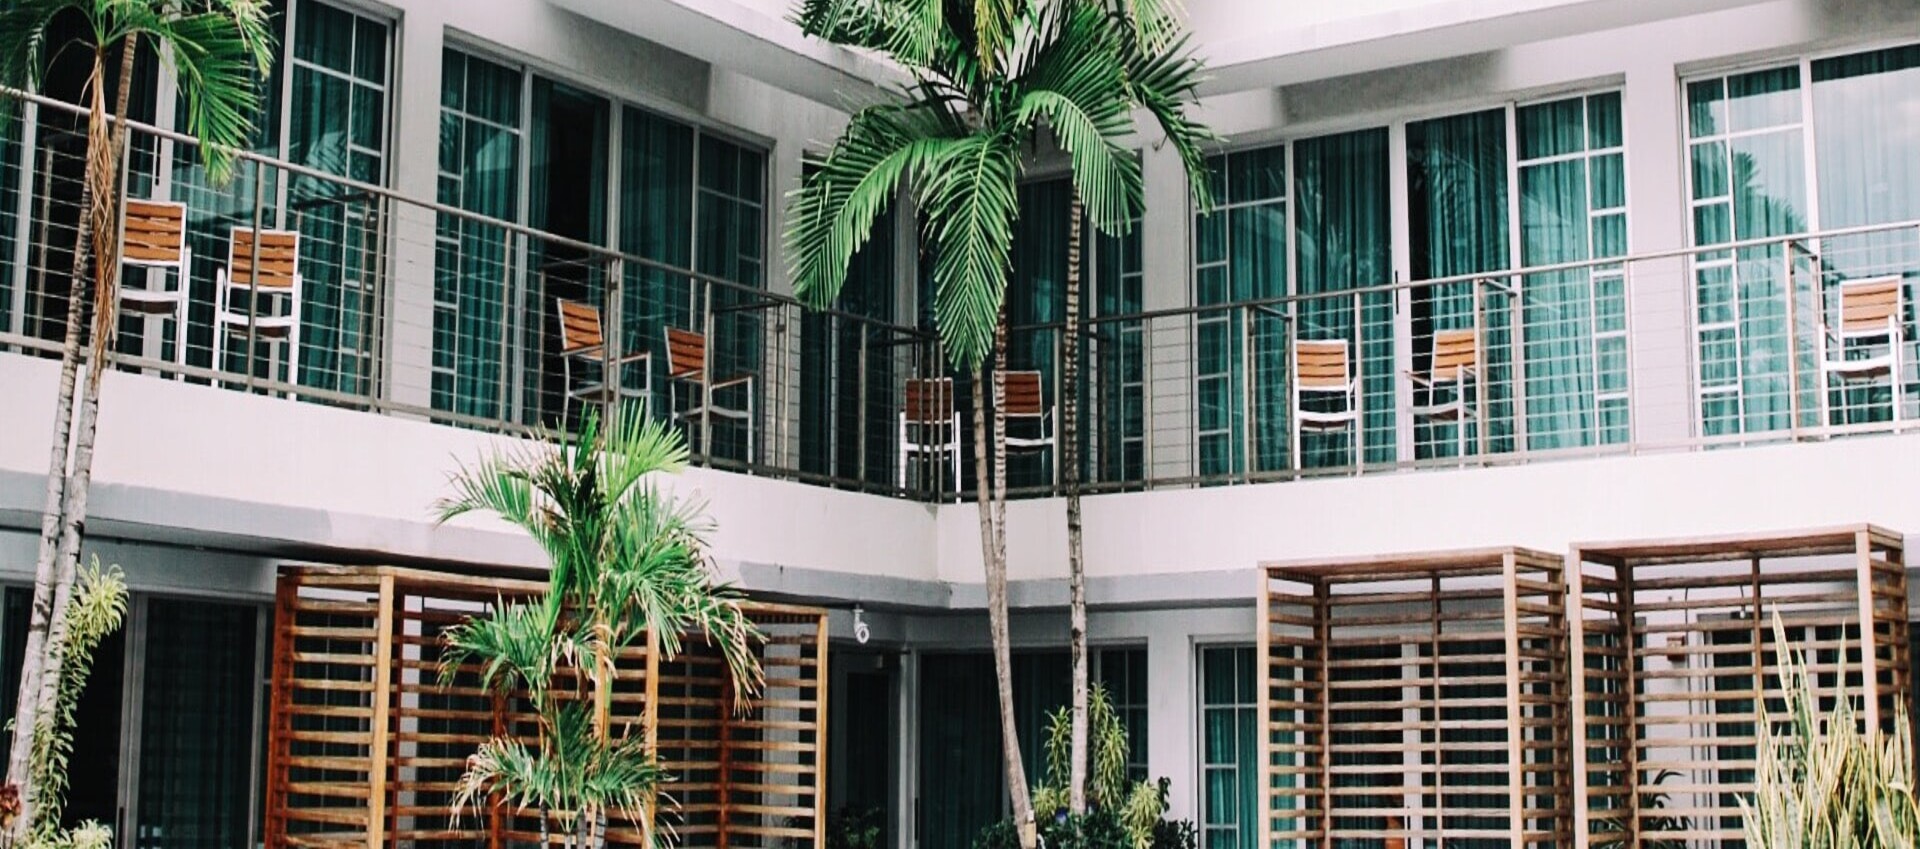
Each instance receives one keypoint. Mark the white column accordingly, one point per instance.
(1171, 714)
(416, 167)
(1166, 245)
(1659, 292)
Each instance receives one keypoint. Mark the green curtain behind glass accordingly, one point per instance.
(656, 223)
(729, 242)
(1113, 399)
(1123, 672)
(480, 173)
(1866, 127)
(9, 221)
(1036, 306)
(1572, 208)
(1229, 749)
(1457, 186)
(1241, 255)
(846, 402)
(1745, 186)
(196, 725)
(1344, 243)
(961, 779)
(568, 135)
(336, 125)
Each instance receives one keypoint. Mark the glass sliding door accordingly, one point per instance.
(1866, 131)
(847, 379)
(567, 160)
(729, 242)
(1113, 411)
(656, 223)
(1239, 358)
(197, 708)
(1747, 181)
(1036, 312)
(1229, 749)
(962, 782)
(1343, 245)
(1457, 210)
(337, 124)
(475, 262)
(1123, 672)
(1572, 196)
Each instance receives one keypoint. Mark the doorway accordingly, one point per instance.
(567, 188)
(864, 736)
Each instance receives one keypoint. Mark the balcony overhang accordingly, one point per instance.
(753, 39)
(1242, 55)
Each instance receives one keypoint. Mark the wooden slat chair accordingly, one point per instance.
(1324, 368)
(277, 277)
(1869, 310)
(1456, 360)
(1026, 401)
(154, 236)
(688, 362)
(930, 425)
(583, 346)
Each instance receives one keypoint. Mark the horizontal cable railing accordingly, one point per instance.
(293, 282)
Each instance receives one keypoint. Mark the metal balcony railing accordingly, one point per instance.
(421, 309)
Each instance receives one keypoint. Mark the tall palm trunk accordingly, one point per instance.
(990, 494)
(104, 143)
(1070, 476)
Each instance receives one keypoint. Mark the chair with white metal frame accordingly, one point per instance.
(583, 344)
(1870, 309)
(266, 269)
(930, 425)
(1455, 360)
(688, 363)
(153, 235)
(1323, 368)
(1026, 401)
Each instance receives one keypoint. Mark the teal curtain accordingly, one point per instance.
(1343, 246)
(1036, 308)
(337, 125)
(1747, 181)
(1866, 128)
(730, 242)
(196, 726)
(847, 398)
(961, 779)
(656, 223)
(1457, 185)
(1241, 255)
(1123, 672)
(1229, 749)
(1573, 208)
(473, 264)
(1113, 400)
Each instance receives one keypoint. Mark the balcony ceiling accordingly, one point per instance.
(750, 37)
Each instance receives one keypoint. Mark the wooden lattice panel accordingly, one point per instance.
(1678, 656)
(366, 743)
(1422, 698)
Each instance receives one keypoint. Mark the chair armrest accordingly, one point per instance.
(735, 380)
(643, 356)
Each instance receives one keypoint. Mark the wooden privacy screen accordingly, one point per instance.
(365, 744)
(1421, 698)
(1675, 640)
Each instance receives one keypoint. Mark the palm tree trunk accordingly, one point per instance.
(997, 588)
(104, 145)
(1070, 476)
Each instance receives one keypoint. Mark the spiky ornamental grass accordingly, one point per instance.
(1820, 783)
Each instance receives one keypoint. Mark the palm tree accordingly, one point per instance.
(627, 563)
(989, 77)
(217, 49)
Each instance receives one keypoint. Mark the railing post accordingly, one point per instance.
(1793, 344)
(1482, 415)
(860, 442)
(1246, 393)
(612, 345)
(1517, 353)
(1359, 354)
(706, 371)
(253, 273)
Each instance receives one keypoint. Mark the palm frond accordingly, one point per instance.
(1165, 81)
(516, 646)
(971, 198)
(837, 205)
(96, 609)
(636, 447)
(218, 52)
(1076, 81)
(907, 30)
(24, 27)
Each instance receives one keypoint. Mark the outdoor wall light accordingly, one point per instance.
(860, 631)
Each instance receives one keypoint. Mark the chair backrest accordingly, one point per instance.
(1869, 307)
(579, 326)
(929, 400)
(155, 233)
(686, 354)
(1024, 398)
(279, 258)
(1321, 364)
(1455, 352)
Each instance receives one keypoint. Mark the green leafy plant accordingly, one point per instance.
(1820, 782)
(856, 828)
(626, 561)
(1135, 807)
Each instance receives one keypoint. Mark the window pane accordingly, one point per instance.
(1706, 107)
(1552, 129)
(1603, 121)
(1761, 99)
